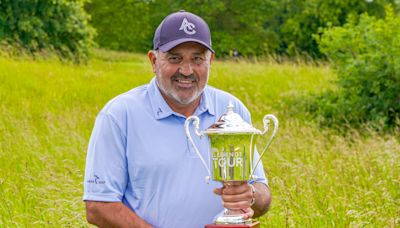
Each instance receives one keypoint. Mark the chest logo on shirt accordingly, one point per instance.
(96, 180)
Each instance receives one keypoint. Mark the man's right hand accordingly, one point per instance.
(113, 214)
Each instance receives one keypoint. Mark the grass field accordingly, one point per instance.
(318, 177)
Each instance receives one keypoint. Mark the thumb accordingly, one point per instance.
(248, 213)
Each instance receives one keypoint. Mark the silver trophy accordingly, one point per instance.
(232, 145)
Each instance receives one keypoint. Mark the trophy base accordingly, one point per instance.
(250, 225)
(231, 219)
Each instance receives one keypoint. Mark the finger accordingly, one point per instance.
(236, 205)
(248, 213)
(218, 191)
(246, 196)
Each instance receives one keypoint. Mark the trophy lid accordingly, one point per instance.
(231, 123)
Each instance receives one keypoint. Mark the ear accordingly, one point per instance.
(152, 58)
(211, 57)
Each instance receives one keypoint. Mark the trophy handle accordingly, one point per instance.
(196, 123)
(266, 121)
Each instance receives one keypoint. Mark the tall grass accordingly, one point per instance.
(318, 178)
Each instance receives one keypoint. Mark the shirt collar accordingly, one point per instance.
(162, 110)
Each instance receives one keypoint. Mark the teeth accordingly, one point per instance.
(184, 81)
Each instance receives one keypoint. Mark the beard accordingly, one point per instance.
(173, 92)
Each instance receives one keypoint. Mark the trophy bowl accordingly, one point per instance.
(232, 147)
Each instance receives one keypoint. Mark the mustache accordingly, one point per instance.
(178, 76)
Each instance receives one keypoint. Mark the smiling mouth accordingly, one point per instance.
(185, 83)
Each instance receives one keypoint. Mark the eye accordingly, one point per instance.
(198, 59)
(174, 59)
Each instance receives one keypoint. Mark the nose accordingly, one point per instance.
(186, 68)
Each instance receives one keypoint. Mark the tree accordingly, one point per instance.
(366, 56)
(130, 25)
(253, 27)
(38, 25)
(122, 24)
(302, 20)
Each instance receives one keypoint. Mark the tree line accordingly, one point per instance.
(253, 27)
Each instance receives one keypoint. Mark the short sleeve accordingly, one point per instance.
(106, 166)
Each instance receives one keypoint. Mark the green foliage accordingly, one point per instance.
(366, 56)
(59, 26)
(237, 25)
(300, 20)
(122, 24)
(253, 27)
(130, 25)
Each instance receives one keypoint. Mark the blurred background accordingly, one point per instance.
(328, 69)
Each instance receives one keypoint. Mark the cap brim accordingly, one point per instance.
(168, 46)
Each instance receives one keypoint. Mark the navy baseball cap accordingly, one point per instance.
(181, 27)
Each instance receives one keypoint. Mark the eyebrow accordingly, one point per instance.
(171, 53)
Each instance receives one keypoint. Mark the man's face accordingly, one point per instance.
(182, 72)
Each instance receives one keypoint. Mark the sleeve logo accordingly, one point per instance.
(96, 180)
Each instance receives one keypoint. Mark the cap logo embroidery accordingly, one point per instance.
(187, 27)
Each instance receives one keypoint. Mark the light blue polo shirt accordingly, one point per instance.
(139, 154)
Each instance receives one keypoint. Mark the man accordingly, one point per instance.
(141, 171)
